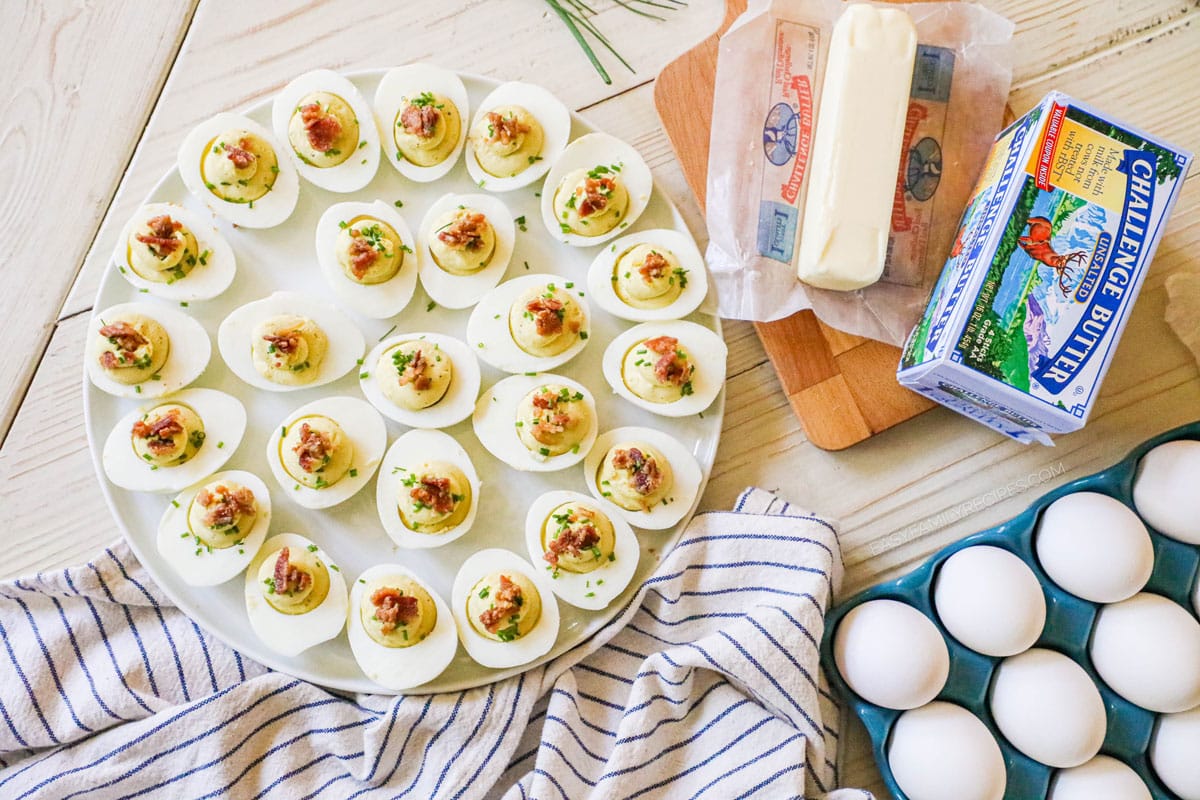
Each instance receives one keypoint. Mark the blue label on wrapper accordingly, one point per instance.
(777, 230)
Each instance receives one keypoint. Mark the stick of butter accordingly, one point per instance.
(856, 149)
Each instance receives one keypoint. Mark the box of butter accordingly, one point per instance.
(1050, 254)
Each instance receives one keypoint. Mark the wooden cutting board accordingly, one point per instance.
(842, 387)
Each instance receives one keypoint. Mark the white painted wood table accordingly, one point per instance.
(98, 95)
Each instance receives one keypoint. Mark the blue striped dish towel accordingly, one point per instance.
(707, 685)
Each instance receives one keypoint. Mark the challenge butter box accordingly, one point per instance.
(1050, 254)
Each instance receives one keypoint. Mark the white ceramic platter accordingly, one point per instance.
(351, 533)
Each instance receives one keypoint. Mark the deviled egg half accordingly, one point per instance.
(422, 380)
(401, 632)
(599, 187)
(643, 475)
(649, 276)
(237, 169)
(172, 253)
(212, 530)
(518, 131)
(464, 246)
(428, 490)
(295, 595)
(421, 112)
(365, 252)
(530, 324)
(288, 341)
(143, 350)
(536, 423)
(329, 131)
(589, 554)
(323, 453)
(505, 609)
(672, 368)
(175, 441)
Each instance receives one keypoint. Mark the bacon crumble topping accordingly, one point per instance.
(240, 154)
(322, 127)
(414, 372)
(313, 448)
(289, 579)
(285, 342)
(433, 492)
(504, 129)
(419, 121)
(571, 539)
(125, 338)
(161, 239)
(159, 433)
(506, 602)
(547, 315)
(654, 267)
(362, 253)
(393, 608)
(223, 506)
(671, 367)
(645, 475)
(596, 192)
(466, 231)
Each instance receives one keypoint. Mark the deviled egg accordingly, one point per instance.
(234, 166)
(295, 595)
(401, 632)
(671, 368)
(428, 490)
(143, 350)
(421, 111)
(643, 475)
(212, 530)
(530, 324)
(175, 441)
(172, 253)
(599, 187)
(365, 253)
(505, 609)
(464, 246)
(589, 554)
(518, 131)
(536, 423)
(649, 276)
(423, 380)
(288, 341)
(328, 129)
(323, 453)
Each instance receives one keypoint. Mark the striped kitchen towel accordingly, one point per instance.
(707, 685)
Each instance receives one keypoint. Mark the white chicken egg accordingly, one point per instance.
(519, 130)
(450, 366)
(417, 645)
(595, 190)
(421, 471)
(305, 605)
(328, 130)
(239, 171)
(532, 323)
(596, 552)
(1164, 490)
(990, 600)
(1047, 706)
(652, 488)
(145, 350)
(428, 147)
(1094, 547)
(941, 751)
(212, 530)
(324, 452)
(174, 441)
(1102, 778)
(1173, 749)
(649, 276)
(170, 252)
(505, 609)
(508, 415)
(328, 344)
(366, 255)
(1147, 649)
(460, 257)
(671, 368)
(891, 654)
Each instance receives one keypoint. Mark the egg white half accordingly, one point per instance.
(292, 634)
(455, 406)
(205, 281)
(488, 652)
(590, 590)
(376, 300)
(266, 212)
(460, 291)
(395, 88)
(707, 350)
(592, 150)
(496, 416)
(187, 358)
(364, 429)
(196, 563)
(224, 420)
(684, 467)
(546, 109)
(409, 452)
(489, 333)
(399, 668)
(601, 283)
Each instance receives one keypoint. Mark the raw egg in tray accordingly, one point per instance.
(1056, 655)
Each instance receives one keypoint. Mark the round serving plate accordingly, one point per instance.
(284, 258)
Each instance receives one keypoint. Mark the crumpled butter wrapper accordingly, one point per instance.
(1183, 309)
